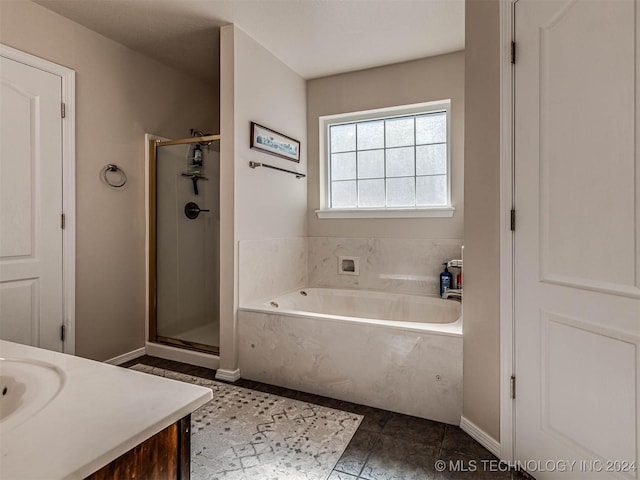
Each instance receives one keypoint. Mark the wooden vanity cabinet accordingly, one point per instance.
(165, 456)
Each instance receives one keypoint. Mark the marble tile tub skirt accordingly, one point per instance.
(247, 435)
(392, 367)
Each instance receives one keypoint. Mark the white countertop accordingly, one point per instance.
(101, 412)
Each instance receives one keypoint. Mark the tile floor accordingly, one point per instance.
(387, 445)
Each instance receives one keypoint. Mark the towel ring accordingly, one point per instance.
(121, 177)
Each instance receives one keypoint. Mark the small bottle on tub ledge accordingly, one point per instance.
(445, 280)
(447, 288)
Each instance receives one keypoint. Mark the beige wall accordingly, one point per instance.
(482, 217)
(255, 86)
(120, 95)
(269, 204)
(429, 79)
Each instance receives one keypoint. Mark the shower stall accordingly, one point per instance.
(184, 242)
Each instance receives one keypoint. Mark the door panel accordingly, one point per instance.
(20, 319)
(577, 295)
(570, 375)
(30, 205)
(587, 144)
(17, 169)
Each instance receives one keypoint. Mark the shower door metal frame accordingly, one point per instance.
(152, 280)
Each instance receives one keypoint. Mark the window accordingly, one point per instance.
(389, 162)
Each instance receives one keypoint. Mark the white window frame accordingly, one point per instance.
(326, 121)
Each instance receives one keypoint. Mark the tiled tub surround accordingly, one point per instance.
(399, 265)
(407, 358)
(270, 267)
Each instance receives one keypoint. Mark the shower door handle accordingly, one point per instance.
(192, 210)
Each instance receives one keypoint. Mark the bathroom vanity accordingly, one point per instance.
(67, 417)
(166, 455)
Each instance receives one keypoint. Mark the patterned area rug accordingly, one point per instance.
(243, 434)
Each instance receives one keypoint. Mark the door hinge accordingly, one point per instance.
(63, 219)
(513, 52)
(513, 387)
(513, 220)
(63, 110)
(62, 332)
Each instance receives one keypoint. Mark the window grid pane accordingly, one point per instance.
(344, 194)
(401, 162)
(343, 166)
(371, 164)
(414, 162)
(371, 193)
(370, 135)
(400, 132)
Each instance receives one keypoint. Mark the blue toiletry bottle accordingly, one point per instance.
(445, 280)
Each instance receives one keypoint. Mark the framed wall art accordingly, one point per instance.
(269, 141)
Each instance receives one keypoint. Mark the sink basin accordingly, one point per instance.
(26, 387)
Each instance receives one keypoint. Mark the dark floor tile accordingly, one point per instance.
(455, 440)
(173, 366)
(522, 476)
(357, 452)
(287, 392)
(415, 429)
(275, 390)
(335, 475)
(151, 361)
(396, 459)
(243, 383)
(456, 466)
(145, 359)
(374, 419)
(201, 372)
(318, 400)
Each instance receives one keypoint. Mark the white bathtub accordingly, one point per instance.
(398, 352)
(413, 312)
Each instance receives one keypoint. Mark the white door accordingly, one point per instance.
(577, 240)
(30, 206)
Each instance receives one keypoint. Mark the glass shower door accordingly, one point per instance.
(187, 233)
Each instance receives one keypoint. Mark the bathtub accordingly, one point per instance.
(397, 352)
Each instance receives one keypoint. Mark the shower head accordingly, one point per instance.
(200, 133)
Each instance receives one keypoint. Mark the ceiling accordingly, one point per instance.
(314, 38)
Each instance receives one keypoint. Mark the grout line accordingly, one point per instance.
(368, 456)
(444, 434)
(366, 460)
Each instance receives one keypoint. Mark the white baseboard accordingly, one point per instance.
(125, 357)
(182, 355)
(480, 436)
(228, 375)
